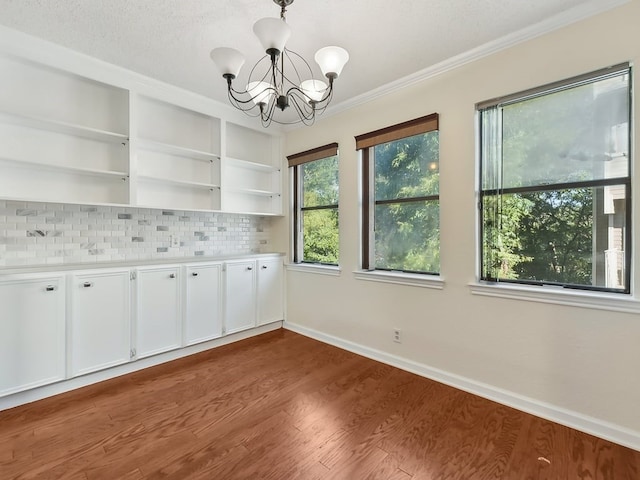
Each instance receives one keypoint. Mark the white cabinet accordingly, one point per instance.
(240, 295)
(100, 326)
(158, 320)
(270, 290)
(63, 138)
(203, 302)
(61, 325)
(32, 331)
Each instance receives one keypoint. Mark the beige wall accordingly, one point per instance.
(583, 360)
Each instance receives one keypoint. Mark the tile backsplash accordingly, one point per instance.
(53, 233)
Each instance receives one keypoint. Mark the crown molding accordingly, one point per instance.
(568, 17)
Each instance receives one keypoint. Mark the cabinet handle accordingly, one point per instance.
(194, 274)
(87, 284)
(172, 275)
(249, 268)
(264, 267)
(50, 288)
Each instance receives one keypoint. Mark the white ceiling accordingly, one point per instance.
(170, 40)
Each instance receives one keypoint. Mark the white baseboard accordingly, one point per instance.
(593, 426)
(39, 393)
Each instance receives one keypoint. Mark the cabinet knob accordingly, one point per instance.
(264, 267)
(87, 284)
(50, 288)
(172, 275)
(249, 268)
(194, 274)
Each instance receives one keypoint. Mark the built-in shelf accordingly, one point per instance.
(71, 139)
(254, 211)
(46, 199)
(236, 162)
(67, 168)
(252, 186)
(171, 181)
(177, 150)
(254, 191)
(63, 127)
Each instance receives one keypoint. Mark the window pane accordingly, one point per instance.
(407, 168)
(407, 236)
(320, 182)
(573, 236)
(576, 134)
(320, 236)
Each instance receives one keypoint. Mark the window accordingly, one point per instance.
(315, 209)
(555, 186)
(401, 202)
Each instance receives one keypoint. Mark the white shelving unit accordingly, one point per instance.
(63, 127)
(63, 138)
(67, 138)
(252, 180)
(178, 157)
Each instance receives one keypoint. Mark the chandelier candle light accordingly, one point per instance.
(274, 88)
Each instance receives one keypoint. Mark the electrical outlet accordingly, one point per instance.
(397, 335)
(175, 241)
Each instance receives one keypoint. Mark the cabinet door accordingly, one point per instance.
(270, 290)
(158, 325)
(32, 338)
(100, 320)
(203, 303)
(240, 296)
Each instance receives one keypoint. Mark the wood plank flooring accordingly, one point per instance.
(283, 406)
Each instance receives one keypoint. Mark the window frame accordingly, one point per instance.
(626, 182)
(366, 144)
(295, 161)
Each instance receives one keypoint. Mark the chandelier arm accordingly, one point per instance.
(302, 117)
(267, 118)
(246, 111)
(256, 66)
(234, 101)
(300, 101)
(282, 73)
(241, 104)
(299, 96)
(295, 69)
(305, 110)
(323, 101)
(263, 119)
(239, 101)
(288, 53)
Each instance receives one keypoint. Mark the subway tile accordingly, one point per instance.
(63, 233)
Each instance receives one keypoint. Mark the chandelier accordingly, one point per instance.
(282, 78)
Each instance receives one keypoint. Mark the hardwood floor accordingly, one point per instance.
(282, 406)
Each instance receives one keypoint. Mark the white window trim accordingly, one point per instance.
(318, 269)
(435, 282)
(614, 302)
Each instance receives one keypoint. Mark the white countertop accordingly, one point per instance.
(62, 267)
